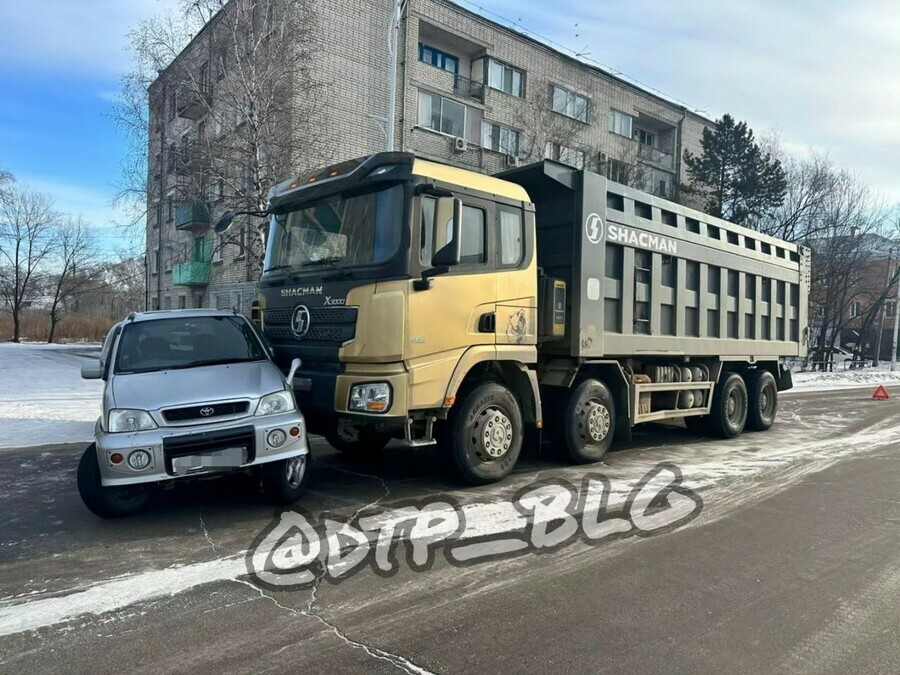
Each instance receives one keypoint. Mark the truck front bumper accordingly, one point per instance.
(180, 452)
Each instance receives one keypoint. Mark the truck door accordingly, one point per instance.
(459, 310)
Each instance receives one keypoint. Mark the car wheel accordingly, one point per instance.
(763, 397)
(484, 434)
(107, 502)
(285, 480)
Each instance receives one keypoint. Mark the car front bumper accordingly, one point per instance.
(182, 452)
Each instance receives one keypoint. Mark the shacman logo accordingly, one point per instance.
(593, 228)
(300, 321)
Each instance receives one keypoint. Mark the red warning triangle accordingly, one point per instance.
(881, 394)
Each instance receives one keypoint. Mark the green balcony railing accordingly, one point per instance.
(191, 215)
(191, 274)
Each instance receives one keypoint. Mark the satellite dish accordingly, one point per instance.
(225, 222)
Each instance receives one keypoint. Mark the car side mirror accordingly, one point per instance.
(295, 366)
(92, 370)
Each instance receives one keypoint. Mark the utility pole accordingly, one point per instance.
(896, 327)
(393, 48)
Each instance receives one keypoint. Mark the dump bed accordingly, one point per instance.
(647, 276)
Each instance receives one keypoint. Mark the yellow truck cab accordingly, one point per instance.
(412, 293)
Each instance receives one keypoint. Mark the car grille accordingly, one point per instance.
(209, 441)
(206, 412)
(327, 325)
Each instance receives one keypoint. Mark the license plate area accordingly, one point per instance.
(218, 460)
(209, 451)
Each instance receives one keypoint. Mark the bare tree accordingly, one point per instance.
(250, 89)
(73, 267)
(27, 235)
(544, 128)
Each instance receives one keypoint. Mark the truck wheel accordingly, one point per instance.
(368, 442)
(588, 422)
(107, 502)
(284, 480)
(729, 407)
(484, 436)
(762, 394)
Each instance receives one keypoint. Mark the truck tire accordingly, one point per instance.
(107, 502)
(762, 392)
(285, 480)
(588, 422)
(369, 442)
(484, 434)
(728, 415)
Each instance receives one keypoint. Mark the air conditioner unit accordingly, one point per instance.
(604, 158)
(460, 145)
(512, 160)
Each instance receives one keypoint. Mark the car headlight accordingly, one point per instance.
(130, 420)
(277, 402)
(372, 398)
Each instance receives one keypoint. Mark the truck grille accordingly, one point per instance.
(206, 412)
(329, 325)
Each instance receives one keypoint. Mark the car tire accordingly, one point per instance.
(484, 434)
(587, 423)
(762, 392)
(728, 415)
(108, 502)
(285, 479)
(369, 443)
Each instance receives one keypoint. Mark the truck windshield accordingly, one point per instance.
(359, 228)
(188, 342)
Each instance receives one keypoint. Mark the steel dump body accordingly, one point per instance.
(647, 277)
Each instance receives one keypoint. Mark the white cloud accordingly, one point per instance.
(71, 36)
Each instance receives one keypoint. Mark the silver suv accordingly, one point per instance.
(189, 393)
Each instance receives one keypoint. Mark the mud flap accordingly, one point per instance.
(785, 380)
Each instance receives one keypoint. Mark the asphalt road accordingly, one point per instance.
(792, 566)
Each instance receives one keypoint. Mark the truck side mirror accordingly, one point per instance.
(295, 366)
(93, 370)
(449, 211)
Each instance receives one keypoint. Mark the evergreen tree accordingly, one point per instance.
(739, 181)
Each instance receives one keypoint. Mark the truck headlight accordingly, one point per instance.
(130, 420)
(277, 402)
(372, 398)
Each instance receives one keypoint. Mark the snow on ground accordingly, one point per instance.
(43, 399)
(845, 379)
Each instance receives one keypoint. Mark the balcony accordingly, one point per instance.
(193, 105)
(466, 88)
(191, 274)
(660, 158)
(192, 216)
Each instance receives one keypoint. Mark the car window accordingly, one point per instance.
(186, 342)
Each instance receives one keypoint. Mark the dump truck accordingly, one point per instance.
(436, 305)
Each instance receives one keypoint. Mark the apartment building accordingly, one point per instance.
(471, 92)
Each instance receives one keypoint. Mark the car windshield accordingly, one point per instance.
(186, 342)
(347, 229)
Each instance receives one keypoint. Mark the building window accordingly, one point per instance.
(564, 155)
(237, 301)
(167, 256)
(855, 309)
(220, 65)
(182, 302)
(242, 241)
(512, 236)
(217, 252)
(167, 302)
(173, 105)
(618, 172)
(154, 261)
(203, 78)
(449, 117)
(501, 139)
(645, 137)
(506, 78)
(438, 59)
(170, 209)
(570, 104)
(890, 306)
(170, 160)
(154, 303)
(620, 123)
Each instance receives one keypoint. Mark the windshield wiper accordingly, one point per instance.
(205, 362)
(277, 268)
(321, 261)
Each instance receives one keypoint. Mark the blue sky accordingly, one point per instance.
(820, 72)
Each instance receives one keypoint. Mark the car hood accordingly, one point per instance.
(172, 388)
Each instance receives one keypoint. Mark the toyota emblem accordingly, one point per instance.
(206, 412)
(300, 321)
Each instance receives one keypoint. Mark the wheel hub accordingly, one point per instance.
(494, 434)
(594, 421)
(295, 468)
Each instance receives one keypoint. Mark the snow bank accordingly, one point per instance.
(43, 399)
(846, 379)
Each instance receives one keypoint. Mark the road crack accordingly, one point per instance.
(206, 533)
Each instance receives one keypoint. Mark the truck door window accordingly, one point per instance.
(474, 236)
(512, 236)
